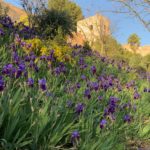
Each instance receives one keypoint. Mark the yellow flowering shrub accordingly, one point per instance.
(62, 52)
(36, 46)
(24, 20)
(44, 51)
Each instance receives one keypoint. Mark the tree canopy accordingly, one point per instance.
(134, 41)
(72, 9)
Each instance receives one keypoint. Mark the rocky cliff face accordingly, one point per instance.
(14, 12)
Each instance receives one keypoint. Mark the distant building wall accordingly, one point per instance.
(91, 29)
(142, 50)
(94, 27)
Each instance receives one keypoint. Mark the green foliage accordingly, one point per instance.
(87, 46)
(135, 60)
(51, 22)
(31, 119)
(134, 41)
(146, 62)
(73, 10)
(111, 47)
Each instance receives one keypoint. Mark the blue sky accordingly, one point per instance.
(122, 25)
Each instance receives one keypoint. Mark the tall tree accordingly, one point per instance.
(73, 10)
(134, 42)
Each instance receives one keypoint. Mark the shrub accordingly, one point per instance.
(61, 52)
(51, 21)
(35, 45)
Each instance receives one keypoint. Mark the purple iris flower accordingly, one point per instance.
(30, 82)
(95, 86)
(62, 67)
(18, 73)
(57, 71)
(43, 57)
(79, 108)
(32, 56)
(36, 68)
(87, 93)
(78, 85)
(83, 77)
(16, 57)
(81, 61)
(127, 118)
(8, 69)
(136, 95)
(22, 67)
(75, 136)
(103, 123)
(113, 100)
(51, 56)
(23, 44)
(83, 66)
(42, 84)
(93, 69)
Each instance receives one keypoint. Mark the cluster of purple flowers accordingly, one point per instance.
(60, 69)
(20, 66)
(14, 71)
(82, 63)
(19, 28)
(7, 22)
(107, 82)
(112, 106)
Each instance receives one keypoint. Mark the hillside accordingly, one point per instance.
(14, 12)
(62, 97)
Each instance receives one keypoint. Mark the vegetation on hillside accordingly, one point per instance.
(92, 102)
(57, 96)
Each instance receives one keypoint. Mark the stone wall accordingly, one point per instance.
(142, 50)
(91, 29)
